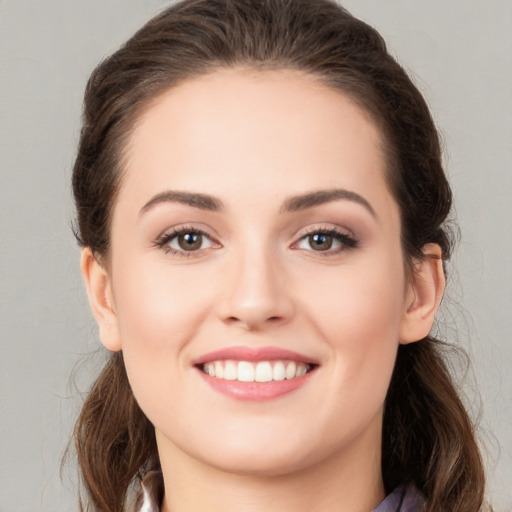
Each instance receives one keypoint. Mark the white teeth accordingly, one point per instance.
(278, 372)
(301, 370)
(262, 371)
(219, 370)
(245, 372)
(291, 370)
(210, 369)
(230, 370)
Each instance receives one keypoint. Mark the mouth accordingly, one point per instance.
(247, 373)
(252, 371)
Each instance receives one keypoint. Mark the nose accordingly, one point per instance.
(256, 293)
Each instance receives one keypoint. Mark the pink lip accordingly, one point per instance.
(239, 353)
(254, 391)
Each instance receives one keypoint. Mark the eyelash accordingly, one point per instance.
(348, 242)
(166, 238)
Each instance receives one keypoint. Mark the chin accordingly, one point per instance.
(261, 465)
(265, 457)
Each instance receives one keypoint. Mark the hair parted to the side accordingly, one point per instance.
(428, 437)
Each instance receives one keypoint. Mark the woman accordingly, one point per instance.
(262, 207)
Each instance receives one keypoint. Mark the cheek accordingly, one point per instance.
(159, 311)
(158, 307)
(362, 301)
(358, 310)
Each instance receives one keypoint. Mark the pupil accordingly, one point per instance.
(190, 241)
(321, 241)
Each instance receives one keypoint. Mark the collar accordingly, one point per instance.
(402, 499)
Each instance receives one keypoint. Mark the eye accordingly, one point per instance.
(185, 241)
(326, 240)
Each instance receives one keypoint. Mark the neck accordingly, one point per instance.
(350, 482)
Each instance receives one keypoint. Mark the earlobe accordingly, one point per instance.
(99, 290)
(424, 295)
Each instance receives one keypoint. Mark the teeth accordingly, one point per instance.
(230, 371)
(210, 369)
(263, 371)
(219, 370)
(301, 370)
(278, 372)
(291, 370)
(245, 372)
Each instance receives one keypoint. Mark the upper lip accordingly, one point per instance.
(241, 353)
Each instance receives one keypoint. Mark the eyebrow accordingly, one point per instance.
(318, 197)
(196, 200)
(290, 205)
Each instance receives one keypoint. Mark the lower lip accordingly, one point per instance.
(256, 391)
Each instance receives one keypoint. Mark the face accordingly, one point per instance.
(256, 276)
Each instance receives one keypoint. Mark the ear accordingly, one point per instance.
(99, 290)
(423, 296)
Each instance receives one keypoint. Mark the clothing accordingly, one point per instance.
(402, 499)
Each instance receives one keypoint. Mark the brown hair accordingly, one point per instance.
(428, 437)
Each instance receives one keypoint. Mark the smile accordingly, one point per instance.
(261, 371)
(255, 374)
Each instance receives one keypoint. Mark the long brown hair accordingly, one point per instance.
(428, 437)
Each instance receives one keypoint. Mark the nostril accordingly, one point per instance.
(253, 322)
(255, 306)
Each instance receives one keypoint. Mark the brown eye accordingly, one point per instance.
(186, 241)
(320, 241)
(190, 241)
(329, 241)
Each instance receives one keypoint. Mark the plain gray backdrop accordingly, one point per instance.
(459, 52)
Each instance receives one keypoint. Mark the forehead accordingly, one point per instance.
(280, 129)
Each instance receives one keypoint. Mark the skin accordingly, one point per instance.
(253, 139)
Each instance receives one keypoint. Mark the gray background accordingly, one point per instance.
(458, 51)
